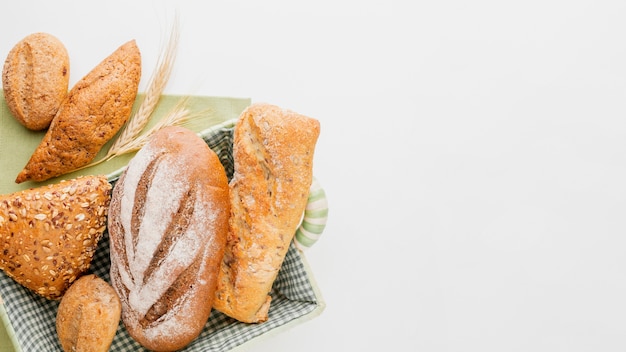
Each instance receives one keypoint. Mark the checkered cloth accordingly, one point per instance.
(33, 317)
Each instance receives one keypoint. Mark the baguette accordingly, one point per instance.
(49, 234)
(273, 158)
(168, 223)
(93, 112)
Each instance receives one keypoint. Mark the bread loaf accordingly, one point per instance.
(168, 222)
(35, 79)
(88, 316)
(94, 111)
(273, 158)
(48, 235)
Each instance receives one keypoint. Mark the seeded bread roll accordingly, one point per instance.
(48, 235)
(273, 158)
(35, 79)
(88, 316)
(168, 222)
(94, 111)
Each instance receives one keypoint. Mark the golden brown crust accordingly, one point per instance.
(35, 79)
(273, 154)
(88, 316)
(48, 235)
(94, 111)
(168, 223)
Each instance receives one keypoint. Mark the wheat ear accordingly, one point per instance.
(178, 116)
(157, 84)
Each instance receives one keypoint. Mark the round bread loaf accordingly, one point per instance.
(168, 222)
(88, 316)
(35, 79)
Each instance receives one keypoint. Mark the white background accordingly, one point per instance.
(473, 153)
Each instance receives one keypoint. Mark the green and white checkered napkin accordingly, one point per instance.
(294, 295)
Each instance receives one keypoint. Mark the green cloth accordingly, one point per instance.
(17, 143)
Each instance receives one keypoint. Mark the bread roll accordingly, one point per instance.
(168, 222)
(273, 158)
(48, 235)
(94, 111)
(35, 79)
(88, 316)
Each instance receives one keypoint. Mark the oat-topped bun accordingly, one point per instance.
(35, 79)
(48, 235)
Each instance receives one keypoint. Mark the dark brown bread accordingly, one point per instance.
(168, 223)
(88, 316)
(35, 79)
(48, 235)
(94, 111)
(273, 154)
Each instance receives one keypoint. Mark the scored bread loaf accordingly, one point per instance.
(94, 111)
(168, 223)
(273, 158)
(35, 79)
(48, 235)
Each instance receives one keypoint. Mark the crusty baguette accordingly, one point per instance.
(94, 111)
(273, 157)
(88, 316)
(168, 223)
(35, 79)
(49, 234)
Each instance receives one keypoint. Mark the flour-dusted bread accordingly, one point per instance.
(35, 79)
(168, 223)
(273, 158)
(95, 109)
(48, 235)
(88, 316)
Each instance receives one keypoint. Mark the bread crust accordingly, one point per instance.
(48, 235)
(35, 78)
(95, 109)
(273, 158)
(88, 316)
(168, 223)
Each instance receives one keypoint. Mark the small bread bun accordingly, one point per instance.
(35, 79)
(88, 316)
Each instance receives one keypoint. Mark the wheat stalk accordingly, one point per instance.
(156, 86)
(178, 116)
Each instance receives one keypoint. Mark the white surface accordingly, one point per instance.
(473, 153)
